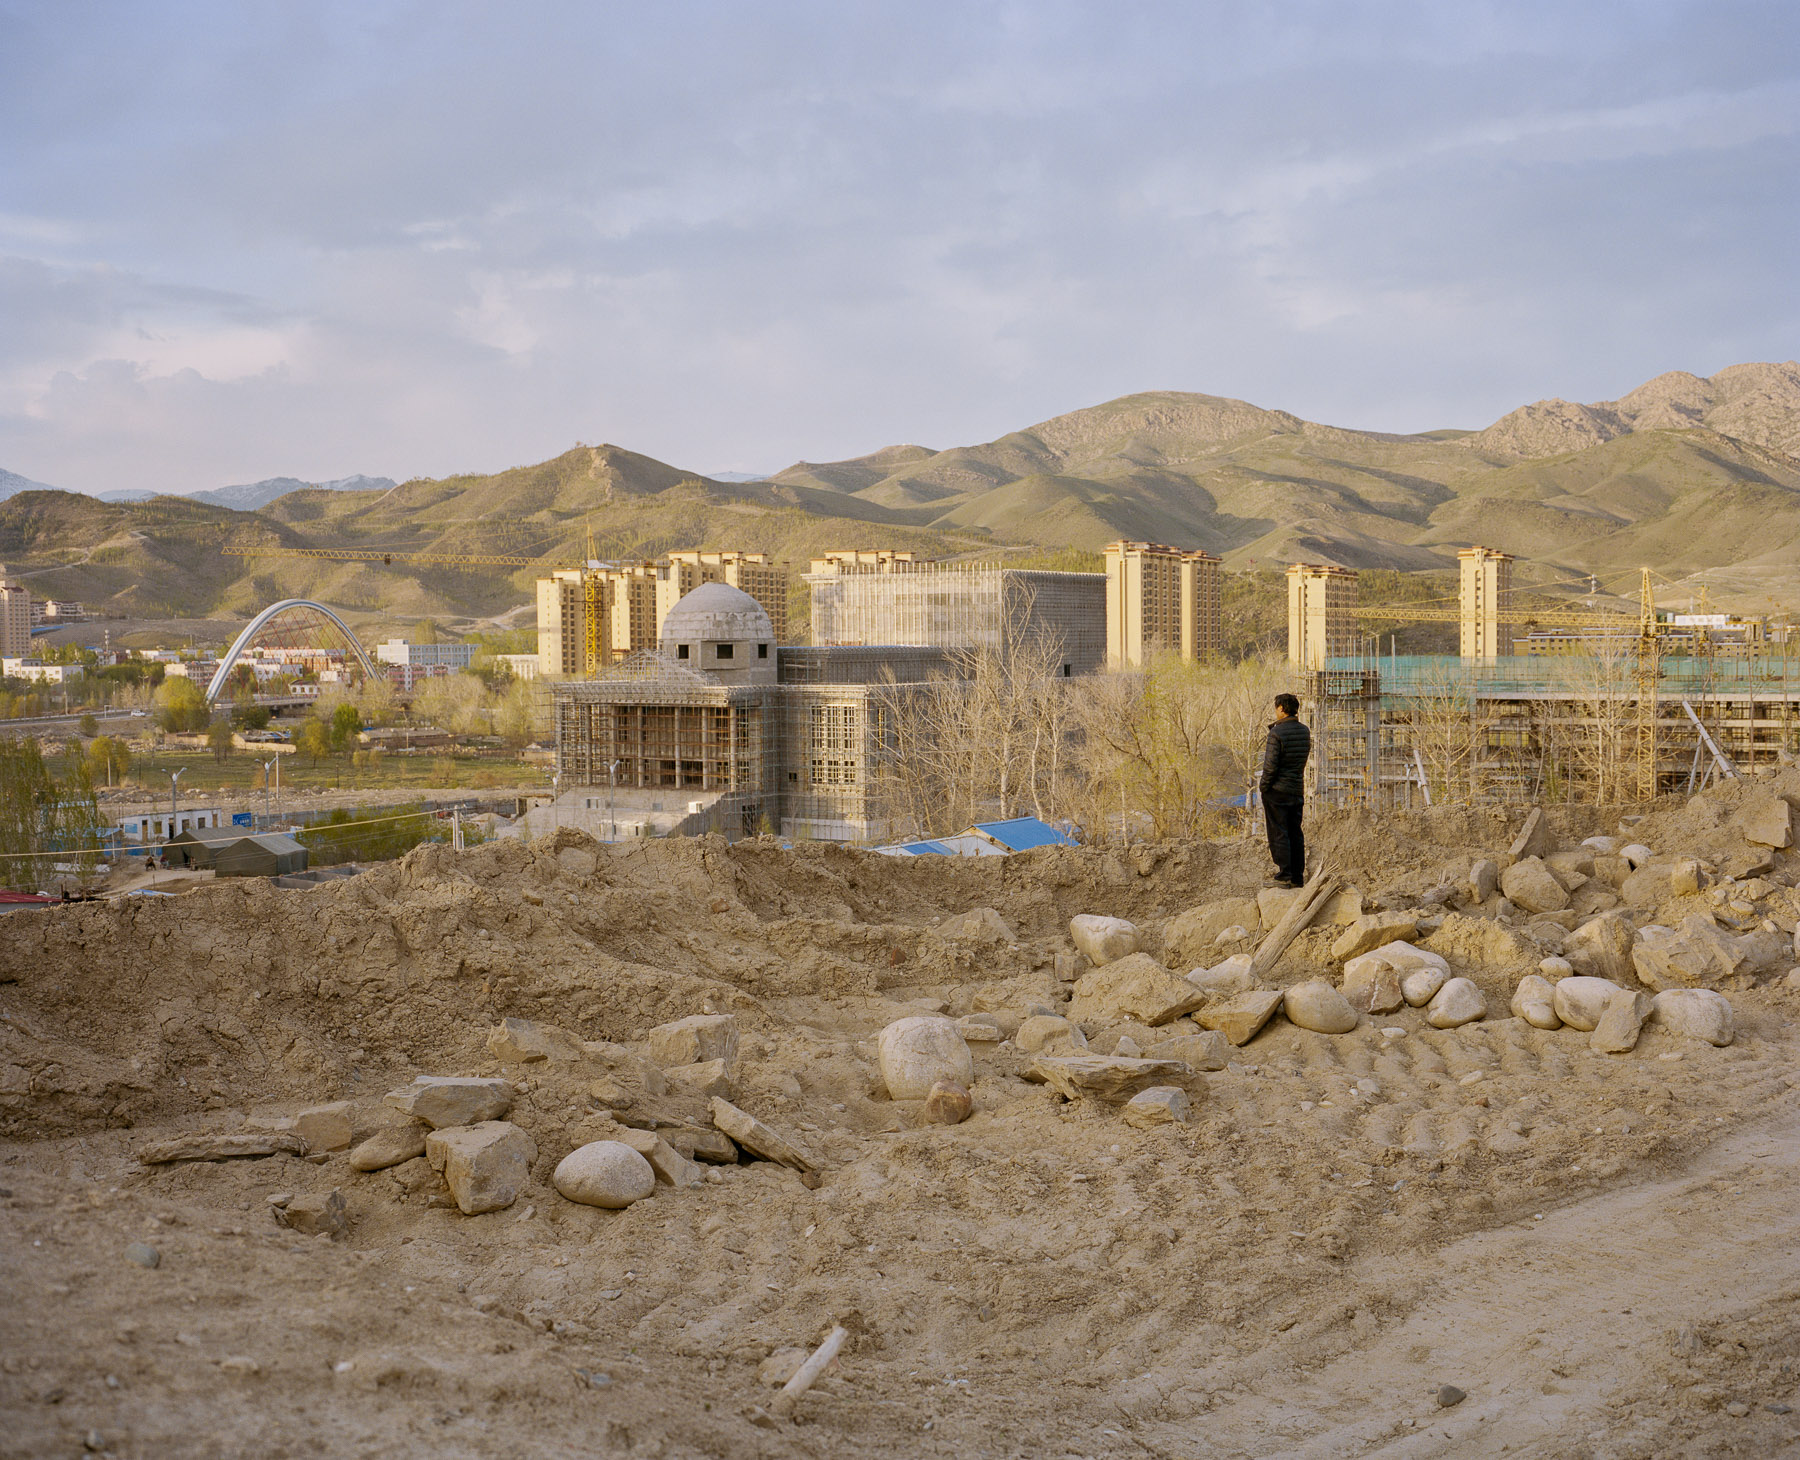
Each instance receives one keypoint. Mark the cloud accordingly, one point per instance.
(399, 238)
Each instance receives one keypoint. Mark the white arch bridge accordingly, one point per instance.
(300, 607)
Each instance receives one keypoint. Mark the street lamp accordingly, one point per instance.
(271, 761)
(174, 810)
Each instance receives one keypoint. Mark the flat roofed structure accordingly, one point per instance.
(1161, 598)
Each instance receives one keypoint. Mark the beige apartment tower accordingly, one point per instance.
(1486, 593)
(632, 599)
(1160, 597)
(679, 574)
(15, 618)
(1321, 614)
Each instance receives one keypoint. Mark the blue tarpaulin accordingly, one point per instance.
(1023, 832)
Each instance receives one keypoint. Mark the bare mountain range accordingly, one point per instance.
(1689, 475)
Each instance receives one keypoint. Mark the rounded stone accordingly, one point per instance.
(1636, 854)
(1317, 1006)
(1534, 1001)
(1104, 940)
(604, 1174)
(1458, 1002)
(143, 1254)
(1580, 1001)
(1419, 989)
(918, 1051)
(948, 1103)
(1554, 967)
(1697, 1013)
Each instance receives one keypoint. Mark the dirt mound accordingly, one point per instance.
(1041, 1279)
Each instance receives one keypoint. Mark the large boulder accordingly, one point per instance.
(1767, 820)
(1697, 1013)
(1698, 954)
(1529, 884)
(1103, 939)
(1133, 987)
(1317, 1006)
(1620, 1023)
(1240, 1017)
(1372, 984)
(447, 1100)
(1580, 1001)
(1534, 1001)
(1601, 947)
(695, 1040)
(918, 1051)
(485, 1165)
(1371, 930)
(604, 1174)
(1457, 1003)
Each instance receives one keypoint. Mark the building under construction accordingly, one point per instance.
(1632, 705)
(881, 598)
(722, 729)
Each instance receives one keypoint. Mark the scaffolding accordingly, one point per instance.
(961, 606)
(1530, 727)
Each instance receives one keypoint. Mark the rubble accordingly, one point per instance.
(1135, 986)
(1620, 1023)
(1372, 930)
(1581, 1001)
(317, 1214)
(389, 1146)
(1240, 1017)
(696, 1040)
(210, 1147)
(441, 1100)
(1158, 1105)
(1534, 1001)
(485, 1165)
(759, 1139)
(948, 1104)
(1530, 884)
(1105, 1077)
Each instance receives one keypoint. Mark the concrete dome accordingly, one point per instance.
(717, 613)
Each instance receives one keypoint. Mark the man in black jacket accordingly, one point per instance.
(1283, 787)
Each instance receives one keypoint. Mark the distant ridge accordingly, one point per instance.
(11, 483)
(1694, 475)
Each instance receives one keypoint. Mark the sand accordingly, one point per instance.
(1598, 1249)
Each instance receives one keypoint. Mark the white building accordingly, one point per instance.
(420, 656)
(37, 670)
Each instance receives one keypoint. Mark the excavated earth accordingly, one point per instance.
(1598, 1250)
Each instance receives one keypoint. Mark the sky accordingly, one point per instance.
(254, 238)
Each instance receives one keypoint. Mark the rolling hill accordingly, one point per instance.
(1688, 474)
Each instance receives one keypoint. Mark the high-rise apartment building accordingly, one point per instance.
(15, 618)
(1321, 614)
(631, 600)
(679, 574)
(1160, 597)
(1486, 593)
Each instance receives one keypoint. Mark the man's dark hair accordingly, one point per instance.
(1288, 703)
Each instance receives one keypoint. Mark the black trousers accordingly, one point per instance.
(1287, 842)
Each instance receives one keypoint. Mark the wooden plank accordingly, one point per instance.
(1319, 890)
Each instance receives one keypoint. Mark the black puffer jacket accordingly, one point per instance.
(1284, 761)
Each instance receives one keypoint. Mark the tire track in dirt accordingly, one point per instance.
(1552, 1326)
